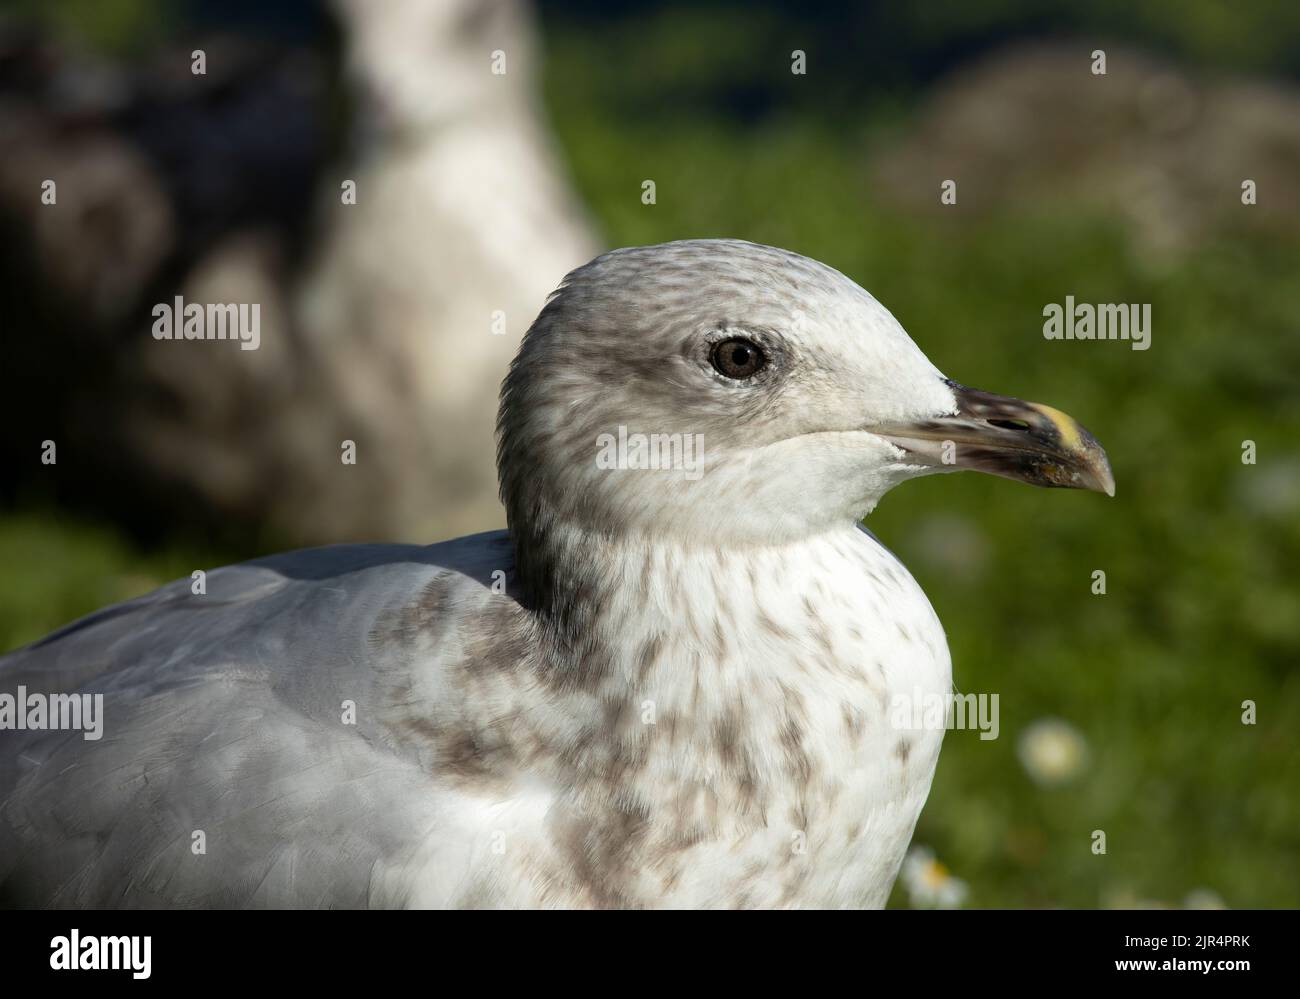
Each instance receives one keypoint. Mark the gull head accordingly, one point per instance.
(722, 392)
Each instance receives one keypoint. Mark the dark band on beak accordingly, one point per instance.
(1026, 441)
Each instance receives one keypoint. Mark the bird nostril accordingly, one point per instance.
(1009, 424)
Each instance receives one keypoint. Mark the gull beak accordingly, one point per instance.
(1020, 440)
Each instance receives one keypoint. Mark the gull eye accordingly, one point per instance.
(737, 358)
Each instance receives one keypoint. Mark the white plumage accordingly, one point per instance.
(658, 689)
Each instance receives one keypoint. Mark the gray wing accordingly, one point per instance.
(223, 726)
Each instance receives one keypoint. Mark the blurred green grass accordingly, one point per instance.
(58, 568)
(1202, 608)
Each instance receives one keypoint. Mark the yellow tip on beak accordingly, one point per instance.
(1026, 441)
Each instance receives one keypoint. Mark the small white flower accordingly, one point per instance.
(929, 884)
(1272, 488)
(1052, 751)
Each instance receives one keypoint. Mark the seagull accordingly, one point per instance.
(667, 684)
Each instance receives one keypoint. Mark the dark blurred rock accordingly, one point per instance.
(1163, 150)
